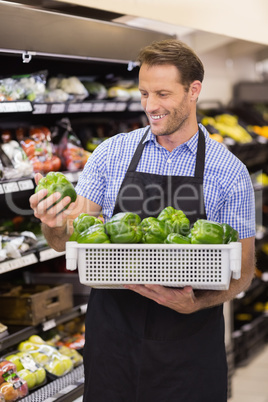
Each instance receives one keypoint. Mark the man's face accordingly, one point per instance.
(164, 99)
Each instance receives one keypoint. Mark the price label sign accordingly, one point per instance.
(110, 107)
(135, 107)
(11, 187)
(24, 107)
(18, 263)
(40, 108)
(8, 107)
(57, 108)
(86, 107)
(49, 254)
(49, 325)
(121, 106)
(74, 108)
(83, 308)
(98, 107)
(26, 185)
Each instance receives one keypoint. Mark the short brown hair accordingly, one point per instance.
(177, 53)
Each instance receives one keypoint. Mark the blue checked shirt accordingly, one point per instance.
(228, 191)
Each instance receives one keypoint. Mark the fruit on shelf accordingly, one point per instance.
(16, 360)
(28, 376)
(36, 339)
(59, 366)
(27, 346)
(6, 369)
(40, 375)
(40, 358)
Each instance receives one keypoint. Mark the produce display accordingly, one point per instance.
(46, 356)
(227, 125)
(170, 227)
(12, 386)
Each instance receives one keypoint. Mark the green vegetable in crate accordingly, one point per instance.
(93, 234)
(230, 234)
(207, 232)
(57, 182)
(124, 228)
(176, 238)
(154, 231)
(83, 222)
(176, 219)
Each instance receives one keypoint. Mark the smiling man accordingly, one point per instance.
(152, 343)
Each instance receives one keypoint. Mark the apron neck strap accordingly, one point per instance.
(200, 156)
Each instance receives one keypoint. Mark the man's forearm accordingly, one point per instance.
(56, 237)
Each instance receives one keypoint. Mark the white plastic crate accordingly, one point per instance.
(202, 266)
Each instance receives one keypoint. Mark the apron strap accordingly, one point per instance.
(200, 156)
(137, 155)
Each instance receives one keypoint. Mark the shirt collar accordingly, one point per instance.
(191, 144)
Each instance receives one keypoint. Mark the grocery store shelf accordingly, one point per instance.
(18, 334)
(65, 388)
(93, 106)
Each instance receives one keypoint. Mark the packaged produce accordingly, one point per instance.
(124, 228)
(18, 164)
(11, 385)
(47, 356)
(28, 86)
(72, 86)
(57, 182)
(96, 90)
(38, 148)
(68, 146)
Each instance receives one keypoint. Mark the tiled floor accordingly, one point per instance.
(250, 382)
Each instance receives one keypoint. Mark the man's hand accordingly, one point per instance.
(181, 300)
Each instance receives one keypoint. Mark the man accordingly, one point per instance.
(151, 343)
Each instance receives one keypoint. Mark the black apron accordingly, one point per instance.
(137, 350)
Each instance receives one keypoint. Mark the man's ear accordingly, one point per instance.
(195, 90)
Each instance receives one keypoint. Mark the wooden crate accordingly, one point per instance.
(33, 304)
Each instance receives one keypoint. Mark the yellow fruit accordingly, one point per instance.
(36, 339)
(28, 376)
(26, 346)
(16, 360)
(40, 358)
(40, 375)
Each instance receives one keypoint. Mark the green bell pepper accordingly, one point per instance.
(230, 234)
(94, 234)
(176, 219)
(175, 238)
(57, 182)
(207, 232)
(124, 228)
(154, 231)
(83, 222)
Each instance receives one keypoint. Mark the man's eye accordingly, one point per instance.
(144, 94)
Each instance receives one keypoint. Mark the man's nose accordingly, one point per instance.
(151, 104)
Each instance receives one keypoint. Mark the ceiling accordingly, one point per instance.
(206, 26)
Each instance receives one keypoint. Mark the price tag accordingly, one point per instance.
(1, 189)
(110, 107)
(24, 106)
(68, 389)
(18, 263)
(26, 185)
(83, 308)
(74, 108)
(121, 106)
(98, 107)
(8, 107)
(49, 254)
(49, 325)
(135, 107)
(11, 187)
(40, 108)
(57, 108)
(86, 107)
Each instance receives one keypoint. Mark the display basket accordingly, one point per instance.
(202, 266)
